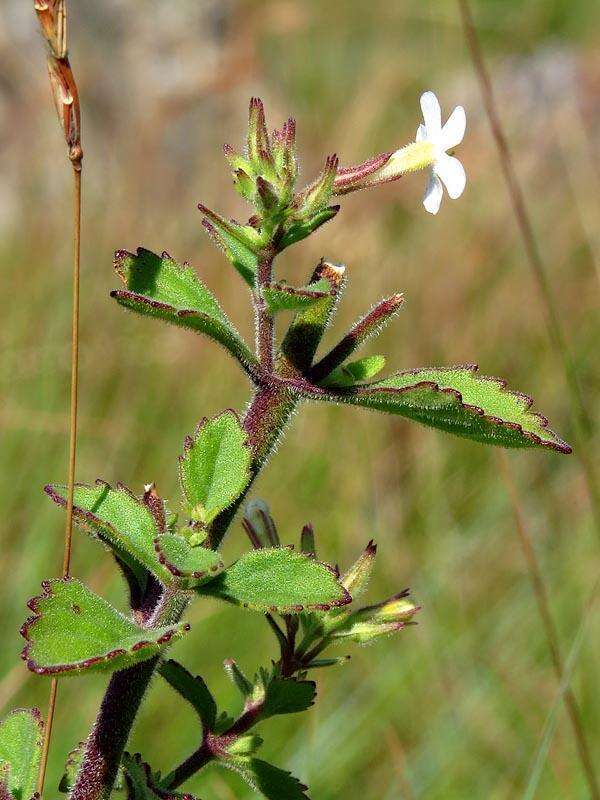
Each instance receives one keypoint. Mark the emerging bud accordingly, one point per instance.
(307, 540)
(357, 577)
(259, 525)
(238, 678)
(245, 745)
(398, 608)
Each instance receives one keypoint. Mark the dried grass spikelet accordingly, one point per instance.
(52, 17)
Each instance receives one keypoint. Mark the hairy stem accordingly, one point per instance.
(119, 708)
(266, 416)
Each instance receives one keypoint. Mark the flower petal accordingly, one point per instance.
(433, 194)
(452, 173)
(421, 133)
(454, 129)
(432, 114)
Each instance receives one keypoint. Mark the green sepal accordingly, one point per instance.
(281, 297)
(316, 196)
(354, 372)
(237, 677)
(302, 228)
(368, 326)
(159, 287)
(240, 243)
(270, 781)
(142, 784)
(278, 579)
(459, 401)
(99, 639)
(302, 339)
(214, 469)
(119, 519)
(189, 566)
(21, 738)
(193, 689)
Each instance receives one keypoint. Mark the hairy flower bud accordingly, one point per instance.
(259, 525)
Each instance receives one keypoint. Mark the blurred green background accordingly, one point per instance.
(462, 705)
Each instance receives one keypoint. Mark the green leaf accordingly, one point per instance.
(189, 566)
(459, 401)
(118, 518)
(306, 331)
(142, 784)
(159, 287)
(288, 696)
(355, 372)
(304, 227)
(278, 579)
(215, 467)
(193, 689)
(240, 243)
(270, 781)
(73, 631)
(281, 297)
(21, 737)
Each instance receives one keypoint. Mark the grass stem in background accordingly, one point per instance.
(581, 420)
(52, 17)
(551, 633)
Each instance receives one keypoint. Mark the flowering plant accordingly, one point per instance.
(169, 558)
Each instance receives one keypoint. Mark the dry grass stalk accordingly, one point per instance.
(581, 418)
(543, 604)
(52, 17)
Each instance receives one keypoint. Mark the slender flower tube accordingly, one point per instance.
(429, 151)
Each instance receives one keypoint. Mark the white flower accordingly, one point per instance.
(444, 168)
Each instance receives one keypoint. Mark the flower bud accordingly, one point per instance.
(259, 525)
(307, 540)
(357, 577)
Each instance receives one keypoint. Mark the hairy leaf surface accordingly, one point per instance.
(157, 286)
(270, 781)
(118, 518)
(73, 631)
(189, 566)
(459, 401)
(215, 467)
(21, 735)
(278, 579)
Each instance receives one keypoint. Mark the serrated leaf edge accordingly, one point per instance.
(136, 758)
(177, 573)
(79, 666)
(553, 443)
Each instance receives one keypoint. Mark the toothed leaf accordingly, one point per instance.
(73, 631)
(119, 519)
(278, 579)
(159, 287)
(459, 401)
(280, 297)
(355, 372)
(142, 784)
(266, 779)
(288, 696)
(189, 566)
(215, 467)
(21, 736)
(238, 242)
(193, 689)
